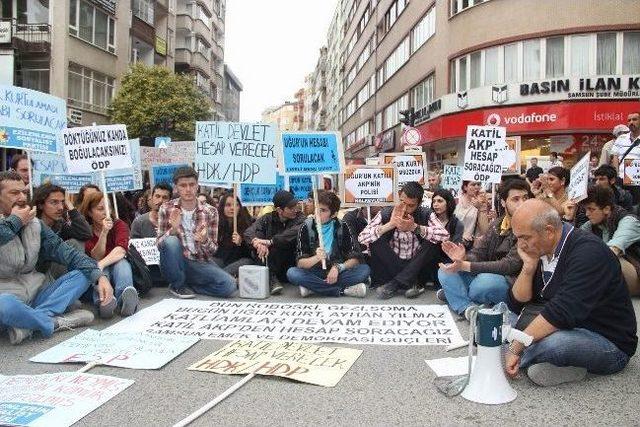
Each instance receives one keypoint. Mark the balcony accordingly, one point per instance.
(162, 8)
(184, 22)
(201, 28)
(217, 51)
(195, 60)
(31, 38)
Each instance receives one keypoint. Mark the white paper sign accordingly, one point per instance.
(58, 400)
(451, 366)
(133, 350)
(579, 179)
(148, 250)
(482, 154)
(452, 178)
(312, 323)
(96, 148)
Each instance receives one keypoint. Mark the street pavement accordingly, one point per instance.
(388, 385)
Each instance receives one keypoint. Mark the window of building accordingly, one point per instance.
(462, 81)
(92, 25)
(397, 59)
(475, 78)
(170, 36)
(379, 123)
(531, 59)
(362, 24)
(423, 30)
(452, 77)
(89, 89)
(422, 94)
(511, 63)
(491, 66)
(32, 12)
(555, 57)
(144, 9)
(631, 53)
(391, 115)
(352, 44)
(606, 58)
(203, 15)
(392, 14)
(458, 6)
(580, 55)
(34, 74)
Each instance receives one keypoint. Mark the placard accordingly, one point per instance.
(31, 120)
(125, 179)
(235, 153)
(300, 185)
(59, 400)
(306, 363)
(163, 173)
(96, 148)
(176, 152)
(579, 179)
(148, 249)
(631, 172)
(312, 323)
(452, 179)
(411, 167)
(511, 156)
(120, 349)
(260, 194)
(482, 157)
(362, 185)
(312, 153)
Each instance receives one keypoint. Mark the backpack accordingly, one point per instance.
(141, 275)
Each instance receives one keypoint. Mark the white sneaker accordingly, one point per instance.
(129, 301)
(72, 320)
(304, 292)
(356, 291)
(17, 335)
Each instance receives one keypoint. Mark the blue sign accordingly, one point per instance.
(125, 179)
(301, 186)
(30, 120)
(260, 194)
(21, 414)
(162, 141)
(71, 183)
(311, 152)
(163, 173)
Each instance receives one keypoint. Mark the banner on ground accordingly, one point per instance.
(235, 152)
(59, 400)
(300, 185)
(306, 363)
(631, 172)
(120, 349)
(31, 120)
(312, 153)
(579, 179)
(362, 185)
(174, 153)
(260, 194)
(96, 148)
(148, 249)
(163, 173)
(311, 323)
(482, 154)
(411, 166)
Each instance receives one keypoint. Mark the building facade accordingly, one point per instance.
(231, 95)
(556, 82)
(286, 116)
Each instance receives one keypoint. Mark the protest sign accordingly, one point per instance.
(96, 148)
(452, 179)
(163, 173)
(482, 158)
(300, 185)
(176, 152)
(31, 120)
(411, 167)
(631, 172)
(302, 362)
(312, 153)
(260, 194)
(372, 161)
(235, 152)
(59, 400)
(148, 250)
(579, 179)
(369, 185)
(511, 156)
(133, 350)
(125, 179)
(71, 183)
(311, 323)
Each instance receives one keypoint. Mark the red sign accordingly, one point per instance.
(565, 117)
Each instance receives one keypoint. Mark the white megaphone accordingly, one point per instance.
(488, 383)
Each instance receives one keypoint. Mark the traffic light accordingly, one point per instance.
(408, 117)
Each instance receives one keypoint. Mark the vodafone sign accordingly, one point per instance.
(565, 117)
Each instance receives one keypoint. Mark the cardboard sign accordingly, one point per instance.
(311, 323)
(31, 120)
(163, 173)
(631, 172)
(177, 152)
(96, 148)
(148, 249)
(125, 179)
(123, 350)
(260, 194)
(511, 156)
(312, 153)
(306, 363)
(411, 166)
(71, 183)
(579, 179)
(235, 152)
(482, 157)
(59, 400)
(369, 185)
(452, 179)
(300, 185)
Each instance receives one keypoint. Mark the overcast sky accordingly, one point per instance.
(271, 45)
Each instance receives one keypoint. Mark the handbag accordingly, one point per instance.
(141, 275)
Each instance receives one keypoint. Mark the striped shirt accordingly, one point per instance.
(405, 243)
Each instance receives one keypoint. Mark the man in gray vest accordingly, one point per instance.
(27, 303)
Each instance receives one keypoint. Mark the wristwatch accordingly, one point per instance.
(511, 349)
(340, 267)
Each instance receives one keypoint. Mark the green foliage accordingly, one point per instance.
(149, 96)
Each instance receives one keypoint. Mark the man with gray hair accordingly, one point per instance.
(571, 298)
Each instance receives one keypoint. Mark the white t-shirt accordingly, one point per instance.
(620, 146)
(188, 224)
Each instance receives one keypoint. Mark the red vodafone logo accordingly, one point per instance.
(494, 119)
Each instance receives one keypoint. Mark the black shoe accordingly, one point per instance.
(387, 290)
(276, 286)
(182, 293)
(414, 292)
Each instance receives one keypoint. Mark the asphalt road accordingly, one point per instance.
(388, 385)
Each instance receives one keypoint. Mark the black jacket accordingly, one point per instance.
(269, 226)
(345, 245)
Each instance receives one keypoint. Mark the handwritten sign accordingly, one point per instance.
(411, 167)
(369, 185)
(300, 185)
(183, 152)
(31, 120)
(306, 153)
(96, 148)
(631, 172)
(452, 179)
(235, 152)
(148, 250)
(579, 179)
(260, 194)
(482, 158)
(306, 363)
(163, 173)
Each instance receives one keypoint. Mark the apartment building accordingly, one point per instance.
(286, 117)
(231, 95)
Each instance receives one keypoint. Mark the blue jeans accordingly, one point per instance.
(203, 277)
(463, 289)
(120, 276)
(313, 279)
(577, 347)
(52, 300)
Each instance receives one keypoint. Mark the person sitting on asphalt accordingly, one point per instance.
(27, 302)
(188, 241)
(233, 252)
(552, 187)
(605, 176)
(273, 237)
(571, 298)
(484, 274)
(402, 240)
(345, 274)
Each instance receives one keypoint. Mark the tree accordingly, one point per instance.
(153, 101)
